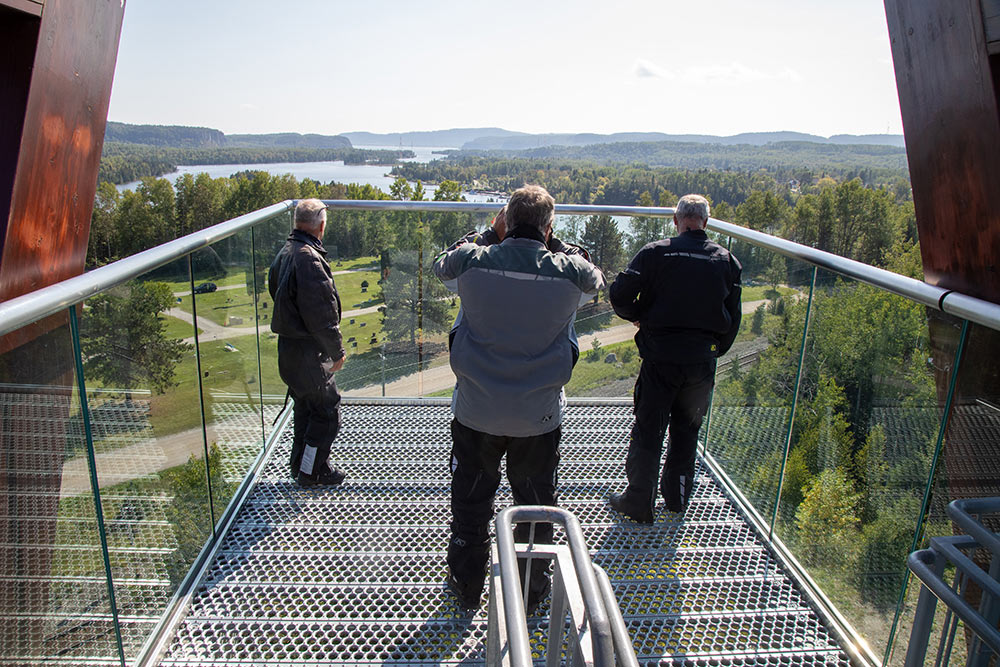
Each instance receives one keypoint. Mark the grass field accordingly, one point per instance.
(758, 292)
(175, 328)
(223, 304)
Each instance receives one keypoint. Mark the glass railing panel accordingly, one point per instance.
(268, 237)
(142, 387)
(862, 448)
(396, 313)
(609, 360)
(228, 296)
(969, 459)
(747, 429)
(54, 597)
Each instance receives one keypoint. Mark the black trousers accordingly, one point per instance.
(316, 424)
(666, 394)
(475, 475)
(307, 372)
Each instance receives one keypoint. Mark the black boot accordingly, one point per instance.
(621, 504)
(329, 477)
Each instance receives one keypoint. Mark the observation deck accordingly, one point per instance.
(355, 575)
(153, 522)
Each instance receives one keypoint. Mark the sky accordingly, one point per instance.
(329, 66)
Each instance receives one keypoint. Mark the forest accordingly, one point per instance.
(865, 418)
(768, 157)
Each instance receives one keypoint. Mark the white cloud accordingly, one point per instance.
(247, 106)
(644, 69)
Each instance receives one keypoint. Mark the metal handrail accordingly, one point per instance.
(960, 511)
(20, 311)
(593, 598)
(967, 307)
(23, 310)
(624, 650)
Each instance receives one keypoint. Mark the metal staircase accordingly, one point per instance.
(355, 574)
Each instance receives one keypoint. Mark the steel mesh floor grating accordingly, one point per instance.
(355, 574)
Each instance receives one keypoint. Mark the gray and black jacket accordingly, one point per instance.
(513, 344)
(489, 237)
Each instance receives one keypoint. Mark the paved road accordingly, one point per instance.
(218, 289)
(134, 461)
(243, 286)
(441, 377)
(213, 331)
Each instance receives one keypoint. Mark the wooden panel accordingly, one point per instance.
(49, 221)
(952, 130)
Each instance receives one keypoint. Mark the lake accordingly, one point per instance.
(324, 172)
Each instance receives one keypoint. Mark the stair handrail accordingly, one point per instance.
(929, 566)
(594, 597)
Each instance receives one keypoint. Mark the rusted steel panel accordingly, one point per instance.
(47, 229)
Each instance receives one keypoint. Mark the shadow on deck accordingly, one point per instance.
(355, 574)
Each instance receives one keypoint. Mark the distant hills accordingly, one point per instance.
(530, 141)
(773, 155)
(453, 138)
(182, 136)
(471, 138)
(495, 138)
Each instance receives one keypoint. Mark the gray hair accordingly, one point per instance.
(692, 207)
(531, 205)
(310, 213)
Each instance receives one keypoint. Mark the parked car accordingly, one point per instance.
(205, 288)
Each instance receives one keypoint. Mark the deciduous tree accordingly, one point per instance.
(123, 339)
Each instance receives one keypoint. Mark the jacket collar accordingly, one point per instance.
(527, 232)
(696, 234)
(307, 238)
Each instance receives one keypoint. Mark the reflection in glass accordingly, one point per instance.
(396, 314)
(228, 364)
(54, 600)
(969, 460)
(142, 388)
(609, 361)
(861, 449)
(268, 237)
(756, 380)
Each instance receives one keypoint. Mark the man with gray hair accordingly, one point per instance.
(683, 294)
(306, 318)
(512, 349)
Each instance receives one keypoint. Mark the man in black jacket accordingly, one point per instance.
(683, 294)
(306, 318)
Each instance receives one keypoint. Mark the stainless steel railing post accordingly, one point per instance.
(595, 598)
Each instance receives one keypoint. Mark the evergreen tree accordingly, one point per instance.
(416, 302)
(645, 229)
(605, 242)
